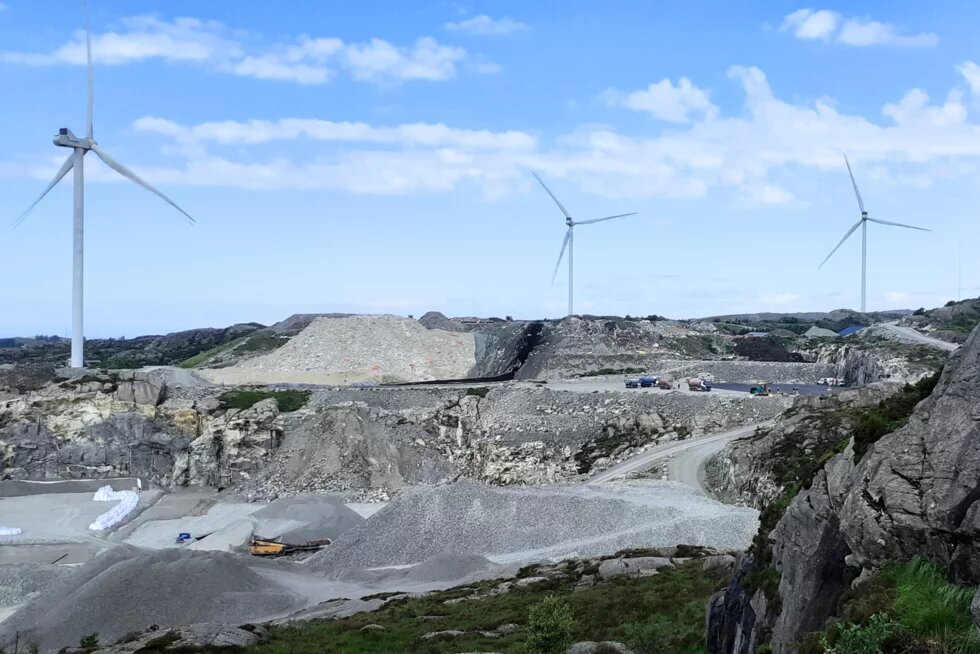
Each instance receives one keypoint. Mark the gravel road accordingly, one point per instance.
(910, 335)
(688, 458)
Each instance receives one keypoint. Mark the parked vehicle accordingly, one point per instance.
(665, 384)
(761, 390)
(698, 384)
(632, 383)
(647, 382)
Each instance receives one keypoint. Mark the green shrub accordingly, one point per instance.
(550, 626)
(477, 391)
(89, 642)
(867, 638)
(286, 400)
(668, 633)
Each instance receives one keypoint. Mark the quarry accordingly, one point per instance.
(393, 458)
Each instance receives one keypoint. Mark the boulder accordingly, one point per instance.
(604, 647)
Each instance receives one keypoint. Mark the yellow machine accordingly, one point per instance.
(267, 547)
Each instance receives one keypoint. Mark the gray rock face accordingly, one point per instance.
(605, 647)
(920, 485)
(916, 492)
(746, 472)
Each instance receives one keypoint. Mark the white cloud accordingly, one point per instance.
(677, 104)
(484, 25)
(971, 73)
(382, 61)
(308, 60)
(826, 25)
(811, 24)
(764, 153)
(255, 132)
(870, 32)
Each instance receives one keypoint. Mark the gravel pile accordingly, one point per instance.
(19, 581)
(529, 524)
(306, 517)
(387, 348)
(126, 589)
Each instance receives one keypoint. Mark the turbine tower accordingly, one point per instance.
(76, 162)
(863, 224)
(569, 240)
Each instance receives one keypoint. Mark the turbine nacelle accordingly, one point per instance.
(67, 139)
(569, 221)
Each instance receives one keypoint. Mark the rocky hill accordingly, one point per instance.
(882, 498)
(364, 442)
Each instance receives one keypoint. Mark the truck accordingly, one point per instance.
(665, 384)
(647, 382)
(698, 384)
(759, 390)
(632, 383)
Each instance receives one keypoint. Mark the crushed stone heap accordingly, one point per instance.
(534, 524)
(379, 348)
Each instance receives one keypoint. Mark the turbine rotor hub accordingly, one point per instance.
(66, 139)
(569, 222)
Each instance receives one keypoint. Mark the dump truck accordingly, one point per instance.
(665, 384)
(648, 382)
(272, 547)
(632, 383)
(760, 390)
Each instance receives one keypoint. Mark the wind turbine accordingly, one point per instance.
(863, 224)
(76, 161)
(569, 238)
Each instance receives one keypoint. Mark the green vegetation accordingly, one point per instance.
(477, 391)
(550, 626)
(668, 607)
(207, 355)
(287, 400)
(890, 414)
(907, 607)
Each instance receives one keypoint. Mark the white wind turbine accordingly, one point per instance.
(863, 224)
(75, 161)
(569, 238)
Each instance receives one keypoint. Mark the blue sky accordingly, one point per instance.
(364, 157)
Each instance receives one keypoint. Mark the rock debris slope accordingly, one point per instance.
(382, 348)
(530, 524)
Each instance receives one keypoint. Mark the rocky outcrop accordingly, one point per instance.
(915, 492)
(101, 425)
(755, 471)
(865, 361)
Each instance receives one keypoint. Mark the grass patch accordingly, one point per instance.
(287, 400)
(907, 607)
(201, 357)
(669, 605)
(477, 391)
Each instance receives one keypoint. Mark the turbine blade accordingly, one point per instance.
(91, 86)
(560, 205)
(65, 167)
(886, 222)
(854, 184)
(849, 232)
(126, 172)
(564, 244)
(599, 220)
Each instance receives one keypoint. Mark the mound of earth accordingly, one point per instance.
(379, 348)
(126, 589)
(306, 517)
(528, 524)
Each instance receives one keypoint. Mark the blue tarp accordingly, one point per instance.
(853, 329)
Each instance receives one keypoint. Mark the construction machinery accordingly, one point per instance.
(664, 384)
(760, 390)
(272, 547)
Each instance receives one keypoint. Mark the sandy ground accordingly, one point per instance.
(57, 517)
(237, 376)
